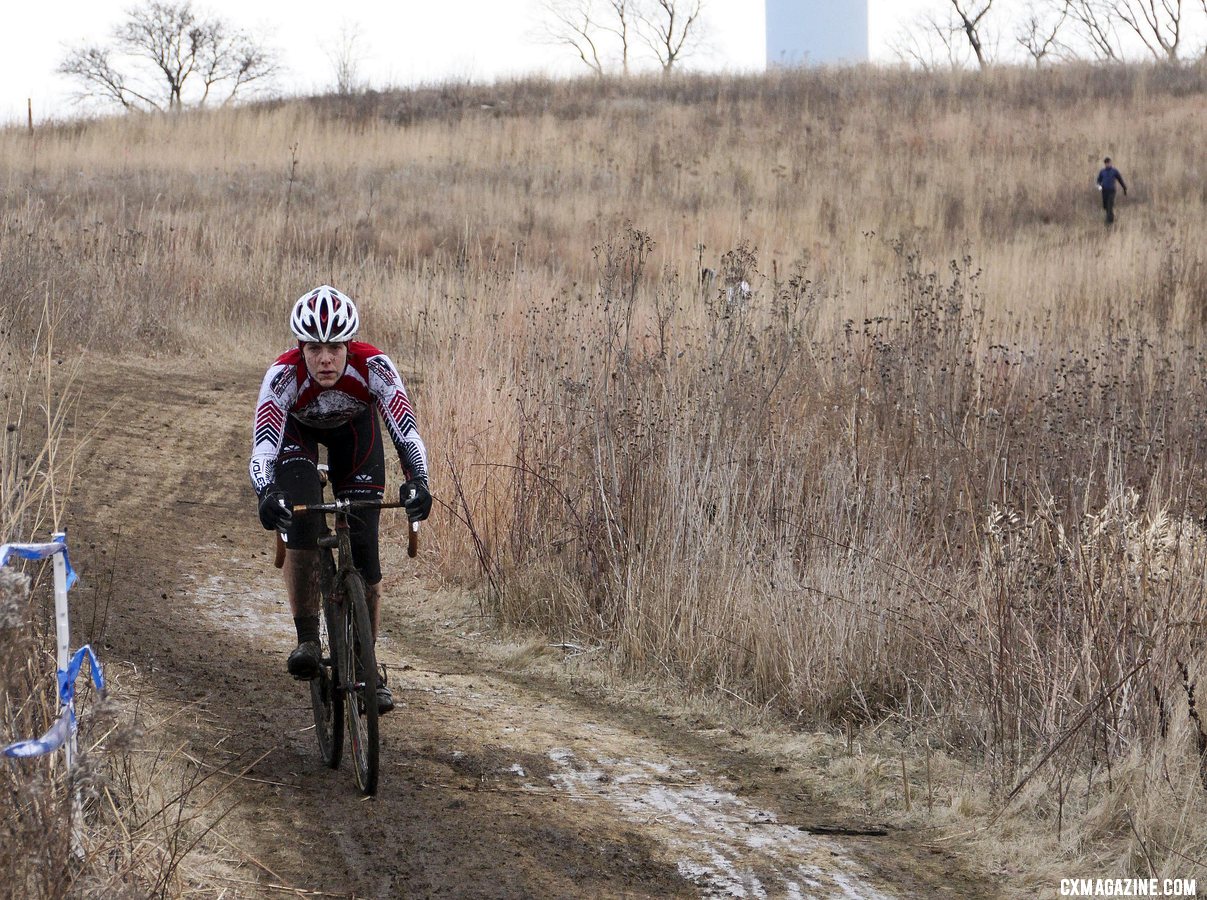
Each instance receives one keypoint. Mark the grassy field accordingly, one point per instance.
(938, 471)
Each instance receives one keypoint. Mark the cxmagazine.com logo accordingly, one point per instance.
(1128, 887)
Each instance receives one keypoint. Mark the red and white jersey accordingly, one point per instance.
(369, 379)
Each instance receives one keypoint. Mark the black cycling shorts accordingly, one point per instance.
(357, 469)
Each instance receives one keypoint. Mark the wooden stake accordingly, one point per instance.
(930, 792)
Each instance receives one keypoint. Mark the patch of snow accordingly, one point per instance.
(726, 846)
(237, 605)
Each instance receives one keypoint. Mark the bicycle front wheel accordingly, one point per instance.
(359, 664)
(326, 694)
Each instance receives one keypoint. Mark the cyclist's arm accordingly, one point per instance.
(394, 405)
(277, 393)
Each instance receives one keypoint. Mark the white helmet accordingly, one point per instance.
(324, 316)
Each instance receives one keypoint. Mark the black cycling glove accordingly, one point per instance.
(275, 511)
(415, 497)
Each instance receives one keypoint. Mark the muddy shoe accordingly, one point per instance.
(305, 661)
(385, 700)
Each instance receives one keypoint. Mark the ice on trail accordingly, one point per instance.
(722, 844)
(244, 606)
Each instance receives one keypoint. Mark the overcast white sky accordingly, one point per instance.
(402, 42)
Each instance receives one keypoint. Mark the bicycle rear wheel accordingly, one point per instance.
(359, 666)
(326, 695)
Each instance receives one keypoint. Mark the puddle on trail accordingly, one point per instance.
(725, 846)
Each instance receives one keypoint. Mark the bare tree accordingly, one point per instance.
(670, 28)
(1158, 24)
(229, 60)
(971, 15)
(621, 24)
(93, 67)
(1203, 54)
(574, 24)
(344, 54)
(164, 49)
(1095, 24)
(932, 42)
(603, 32)
(1038, 32)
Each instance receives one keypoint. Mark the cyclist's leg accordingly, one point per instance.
(297, 474)
(301, 581)
(373, 601)
(358, 471)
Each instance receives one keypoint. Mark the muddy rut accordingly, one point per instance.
(497, 780)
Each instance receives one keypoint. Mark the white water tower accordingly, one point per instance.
(816, 32)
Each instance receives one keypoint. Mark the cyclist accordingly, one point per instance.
(330, 390)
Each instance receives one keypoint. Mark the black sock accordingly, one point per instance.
(307, 627)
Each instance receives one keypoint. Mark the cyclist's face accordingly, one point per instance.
(325, 362)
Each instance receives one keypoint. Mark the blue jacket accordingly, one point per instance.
(1107, 178)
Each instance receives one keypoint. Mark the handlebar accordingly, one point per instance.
(343, 505)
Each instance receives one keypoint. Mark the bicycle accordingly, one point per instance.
(345, 690)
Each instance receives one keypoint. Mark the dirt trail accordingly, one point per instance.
(497, 781)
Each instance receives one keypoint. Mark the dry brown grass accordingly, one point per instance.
(941, 470)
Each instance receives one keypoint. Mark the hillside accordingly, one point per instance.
(826, 398)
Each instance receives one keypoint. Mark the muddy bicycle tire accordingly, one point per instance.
(358, 665)
(327, 697)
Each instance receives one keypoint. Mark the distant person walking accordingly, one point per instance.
(1106, 183)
